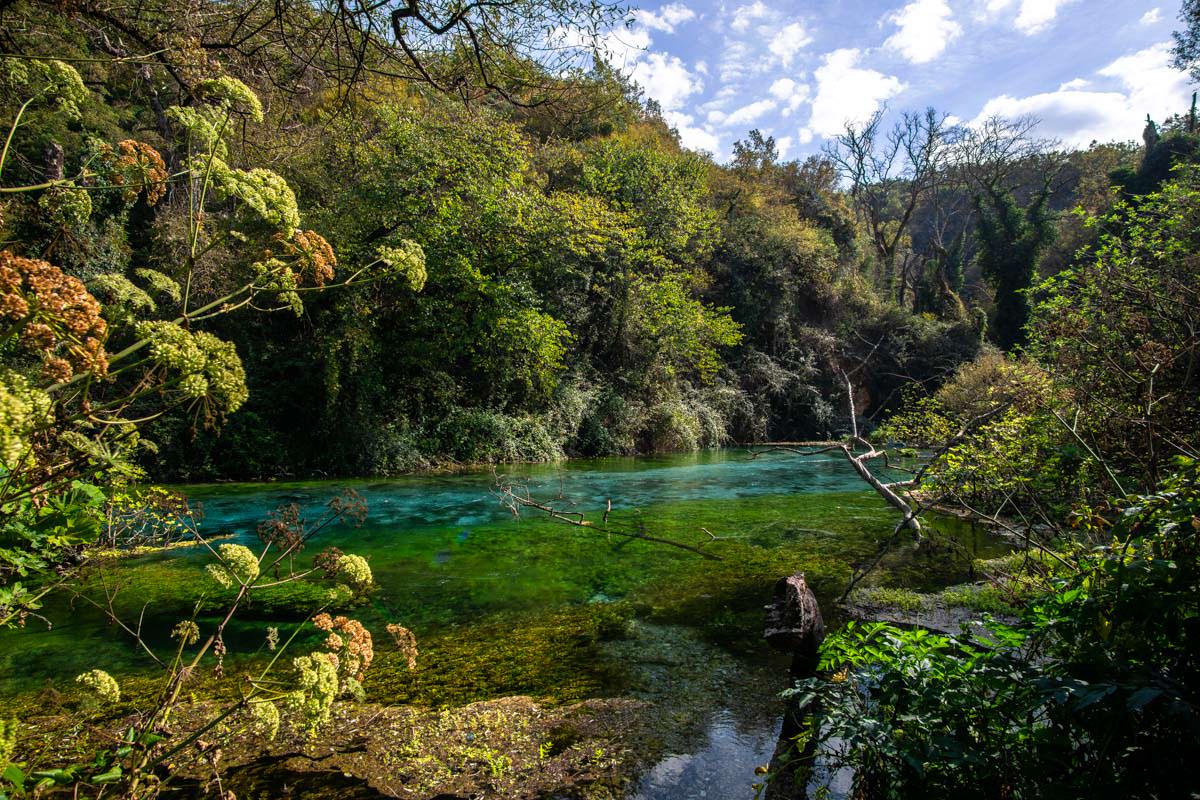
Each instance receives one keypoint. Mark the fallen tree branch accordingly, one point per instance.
(515, 498)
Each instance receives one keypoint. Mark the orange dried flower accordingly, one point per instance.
(349, 642)
(136, 166)
(314, 255)
(57, 313)
(405, 642)
(56, 370)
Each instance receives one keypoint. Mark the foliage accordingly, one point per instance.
(1116, 332)
(1087, 694)
(149, 752)
(1011, 241)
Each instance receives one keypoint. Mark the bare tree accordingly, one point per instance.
(991, 155)
(890, 173)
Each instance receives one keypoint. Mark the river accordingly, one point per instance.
(504, 606)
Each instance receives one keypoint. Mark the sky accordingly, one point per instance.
(799, 71)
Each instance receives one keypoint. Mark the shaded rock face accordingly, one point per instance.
(794, 623)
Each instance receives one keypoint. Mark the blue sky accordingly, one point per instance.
(1089, 69)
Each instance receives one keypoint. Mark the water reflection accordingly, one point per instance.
(722, 769)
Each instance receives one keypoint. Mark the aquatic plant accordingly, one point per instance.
(8, 740)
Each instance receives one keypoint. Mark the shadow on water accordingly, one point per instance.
(505, 606)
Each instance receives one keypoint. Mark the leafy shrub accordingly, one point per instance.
(978, 597)
(473, 436)
(391, 450)
(1094, 693)
(609, 426)
(671, 425)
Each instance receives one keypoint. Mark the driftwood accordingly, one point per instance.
(794, 625)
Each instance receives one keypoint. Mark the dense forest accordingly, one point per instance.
(261, 241)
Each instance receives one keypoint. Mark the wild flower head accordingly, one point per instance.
(134, 167)
(349, 644)
(265, 718)
(406, 258)
(405, 642)
(187, 632)
(66, 206)
(52, 315)
(238, 565)
(284, 528)
(355, 571)
(24, 409)
(103, 687)
(207, 368)
(47, 79)
(318, 686)
(312, 256)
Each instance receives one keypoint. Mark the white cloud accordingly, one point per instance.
(666, 18)
(666, 79)
(806, 135)
(790, 93)
(1149, 86)
(1074, 85)
(1154, 86)
(690, 135)
(925, 29)
(784, 145)
(749, 113)
(1074, 117)
(1038, 15)
(1152, 17)
(737, 62)
(1033, 17)
(848, 93)
(745, 15)
(789, 41)
(783, 88)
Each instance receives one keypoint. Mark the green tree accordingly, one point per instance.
(1011, 241)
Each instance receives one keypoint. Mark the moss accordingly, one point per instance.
(978, 597)
(550, 657)
(879, 596)
(175, 588)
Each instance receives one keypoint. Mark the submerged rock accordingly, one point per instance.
(505, 748)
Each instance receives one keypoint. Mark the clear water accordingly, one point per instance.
(505, 606)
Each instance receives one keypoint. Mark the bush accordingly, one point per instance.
(391, 450)
(1093, 694)
(671, 425)
(477, 436)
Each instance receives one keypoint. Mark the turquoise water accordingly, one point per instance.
(467, 500)
(504, 606)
